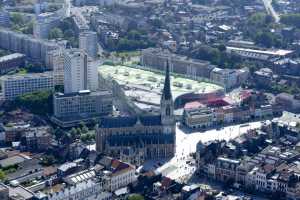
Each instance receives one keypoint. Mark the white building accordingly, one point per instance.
(78, 74)
(88, 190)
(120, 176)
(198, 117)
(17, 85)
(55, 62)
(88, 43)
(226, 77)
(259, 54)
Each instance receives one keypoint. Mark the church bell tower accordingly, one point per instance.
(167, 104)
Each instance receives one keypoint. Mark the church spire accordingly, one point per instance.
(167, 95)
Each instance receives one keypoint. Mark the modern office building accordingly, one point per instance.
(16, 85)
(11, 62)
(78, 74)
(80, 106)
(44, 23)
(88, 43)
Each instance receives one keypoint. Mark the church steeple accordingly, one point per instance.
(167, 86)
(166, 103)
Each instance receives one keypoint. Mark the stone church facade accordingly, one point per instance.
(136, 139)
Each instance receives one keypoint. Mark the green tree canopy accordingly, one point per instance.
(38, 102)
(2, 175)
(136, 197)
(16, 18)
(56, 33)
(291, 19)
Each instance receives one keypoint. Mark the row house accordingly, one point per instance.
(225, 169)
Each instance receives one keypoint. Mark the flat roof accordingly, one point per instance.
(27, 76)
(145, 87)
(12, 161)
(154, 81)
(275, 52)
(82, 93)
(11, 56)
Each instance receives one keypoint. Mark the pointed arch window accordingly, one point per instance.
(168, 111)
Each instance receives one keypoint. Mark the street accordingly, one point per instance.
(270, 10)
(181, 167)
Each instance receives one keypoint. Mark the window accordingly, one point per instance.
(168, 111)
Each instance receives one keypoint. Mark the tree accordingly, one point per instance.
(48, 160)
(136, 197)
(2, 175)
(69, 33)
(291, 19)
(58, 133)
(29, 28)
(84, 129)
(208, 53)
(56, 33)
(73, 133)
(39, 102)
(17, 19)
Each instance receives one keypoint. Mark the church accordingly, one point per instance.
(135, 139)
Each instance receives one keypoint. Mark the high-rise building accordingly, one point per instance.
(4, 18)
(34, 49)
(16, 85)
(88, 42)
(78, 73)
(55, 61)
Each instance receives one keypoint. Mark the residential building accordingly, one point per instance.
(155, 59)
(226, 169)
(11, 62)
(88, 42)
(34, 49)
(83, 105)
(37, 138)
(4, 18)
(263, 77)
(116, 174)
(14, 86)
(226, 77)
(89, 190)
(14, 132)
(288, 101)
(198, 117)
(57, 64)
(80, 23)
(78, 74)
